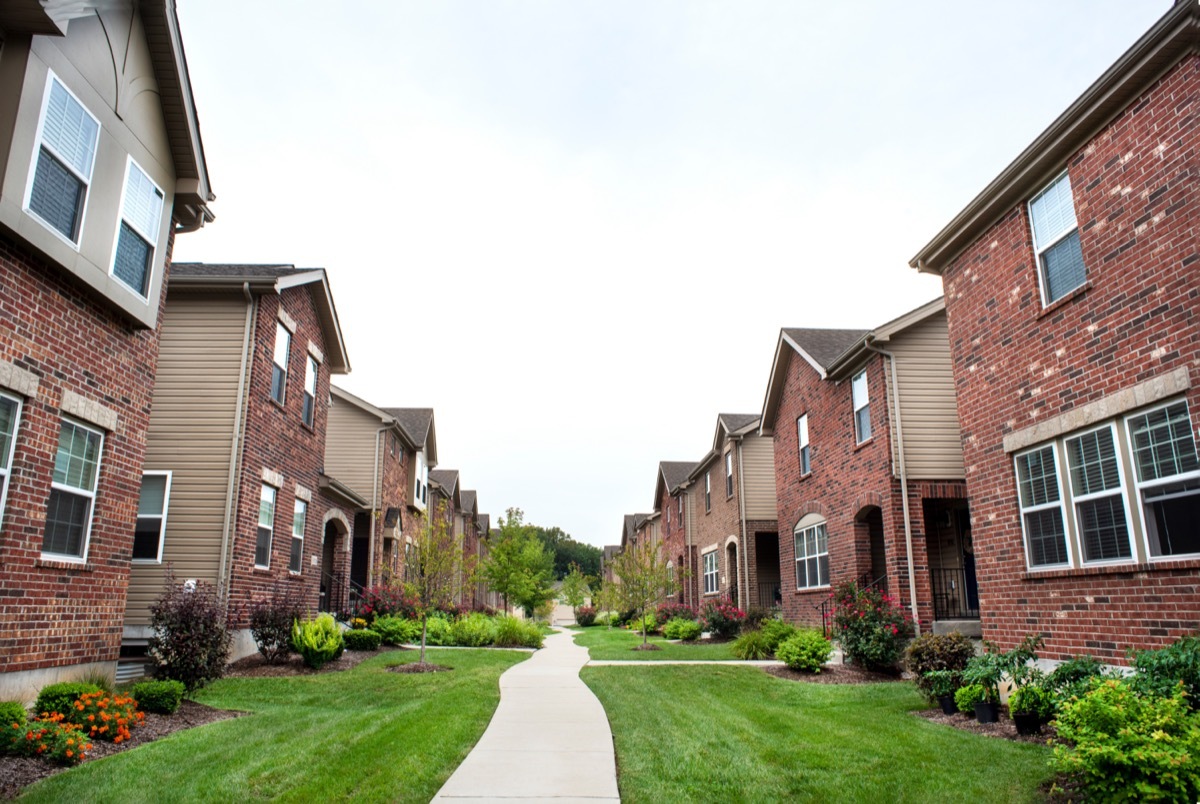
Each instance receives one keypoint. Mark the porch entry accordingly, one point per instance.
(951, 560)
(766, 565)
(731, 567)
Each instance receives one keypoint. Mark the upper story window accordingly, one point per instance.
(668, 514)
(708, 490)
(299, 515)
(862, 407)
(1168, 479)
(266, 527)
(1056, 240)
(279, 369)
(137, 234)
(152, 517)
(10, 414)
(72, 491)
(310, 393)
(728, 474)
(803, 446)
(66, 154)
(420, 482)
(679, 507)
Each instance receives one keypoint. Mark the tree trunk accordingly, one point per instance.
(424, 630)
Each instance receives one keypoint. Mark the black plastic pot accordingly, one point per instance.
(948, 705)
(1027, 723)
(986, 712)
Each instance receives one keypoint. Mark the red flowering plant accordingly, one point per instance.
(49, 737)
(105, 716)
(674, 611)
(722, 618)
(385, 599)
(871, 626)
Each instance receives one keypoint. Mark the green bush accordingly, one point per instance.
(930, 652)
(776, 632)
(12, 712)
(872, 627)
(680, 628)
(1160, 671)
(1130, 747)
(751, 646)
(61, 697)
(805, 650)
(1032, 699)
(397, 630)
(438, 631)
(363, 639)
(649, 622)
(514, 633)
(967, 696)
(936, 683)
(474, 631)
(317, 641)
(158, 696)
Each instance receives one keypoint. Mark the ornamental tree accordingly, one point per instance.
(643, 579)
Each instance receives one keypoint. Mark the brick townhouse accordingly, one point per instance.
(868, 469)
(1071, 284)
(672, 505)
(101, 165)
(231, 492)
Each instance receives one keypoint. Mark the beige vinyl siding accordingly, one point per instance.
(932, 445)
(350, 446)
(191, 434)
(758, 465)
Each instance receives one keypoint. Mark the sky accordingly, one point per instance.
(575, 228)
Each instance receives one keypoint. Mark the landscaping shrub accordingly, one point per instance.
(385, 599)
(105, 716)
(271, 620)
(751, 645)
(437, 631)
(967, 696)
(723, 619)
(49, 738)
(776, 631)
(756, 616)
(1033, 699)
(1130, 747)
(648, 622)
(804, 650)
(190, 641)
(317, 641)
(1160, 671)
(624, 617)
(358, 623)
(12, 712)
(1074, 677)
(930, 652)
(61, 697)
(99, 679)
(474, 631)
(585, 616)
(162, 697)
(362, 639)
(680, 628)
(514, 633)
(871, 626)
(674, 611)
(397, 630)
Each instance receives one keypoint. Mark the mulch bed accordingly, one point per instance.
(647, 646)
(18, 772)
(834, 674)
(1004, 728)
(419, 667)
(255, 666)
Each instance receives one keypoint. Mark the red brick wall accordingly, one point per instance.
(1137, 204)
(714, 527)
(675, 549)
(51, 613)
(394, 494)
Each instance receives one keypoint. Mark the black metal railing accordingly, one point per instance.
(865, 581)
(952, 599)
(339, 595)
(768, 594)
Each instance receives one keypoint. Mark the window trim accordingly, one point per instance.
(259, 525)
(1139, 486)
(162, 525)
(728, 474)
(308, 404)
(1040, 249)
(6, 474)
(1061, 504)
(90, 495)
(51, 79)
(803, 447)
(708, 491)
(715, 573)
(292, 544)
(866, 405)
(807, 523)
(280, 329)
(1122, 492)
(152, 239)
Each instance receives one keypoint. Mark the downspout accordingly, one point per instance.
(224, 571)
(912, 575)
(376, 479)
(687, 541)
(741, 553)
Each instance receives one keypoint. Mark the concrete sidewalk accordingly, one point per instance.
(548, 739)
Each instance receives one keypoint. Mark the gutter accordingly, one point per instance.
(235, 447)
(742, 518)
(376, 494)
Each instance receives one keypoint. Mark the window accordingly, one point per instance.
(137, 233)
(802, 441)
(668, 515)
(299, 513)
(812, 553)
(862, 407)
(1097, 491)
(708, 491)
(279, 371)
(310, 390)
(679, 507)
(712, 582)
(66, 153)
(148, 534)
(728, 474)
(1056, 240)
(72, 491)
(1040, 499)
(1168, 479)
(266, 524)
(10, 414)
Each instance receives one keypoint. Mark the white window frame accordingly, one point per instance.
(711, 574)
(679, 503)
(162, 525)
(299, 511)
(1060, 504)
(150, 237)
(259, 524)
(6, 460)
(281, 331)
(89, 494)
(800, 533)
(859, 438)
(708, 491)
(803, 449)
(38, 143)
(1120, 491)
(308, 407)
(728, 474)
(1140, 486)
(1039, 249)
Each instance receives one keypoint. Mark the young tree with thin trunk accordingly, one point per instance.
(433, 563)
(575, 588)
(518, 566)
(642, 579)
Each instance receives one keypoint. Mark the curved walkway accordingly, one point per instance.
(549, 738)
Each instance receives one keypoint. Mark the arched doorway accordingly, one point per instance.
(731, 569)
(333, 574)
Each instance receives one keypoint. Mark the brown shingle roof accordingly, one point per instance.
(825, 345)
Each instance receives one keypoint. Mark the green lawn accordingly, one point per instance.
(617, 643)
(366, 734)
(734, 733)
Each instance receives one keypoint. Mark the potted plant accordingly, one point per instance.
(1031, 706)
(966, 698)
(987, 670)
(942, 684)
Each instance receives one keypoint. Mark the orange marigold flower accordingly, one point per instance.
(117, 739)
(91, 718)
(69, 754)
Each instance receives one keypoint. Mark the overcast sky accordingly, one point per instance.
(575, 228)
